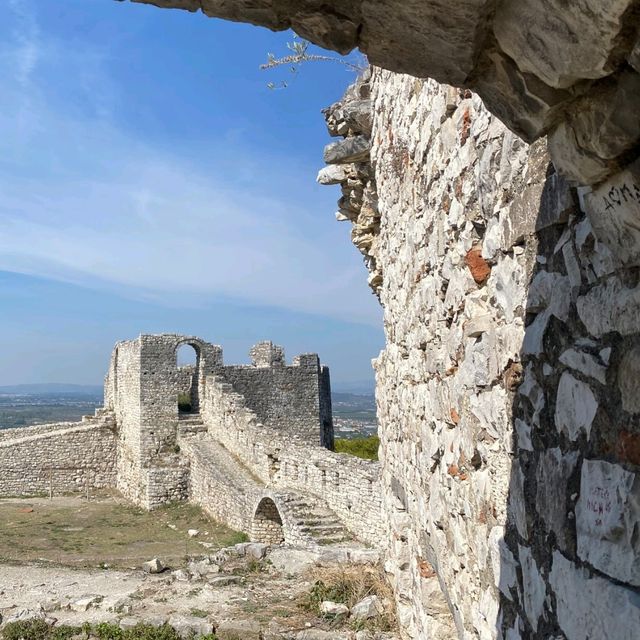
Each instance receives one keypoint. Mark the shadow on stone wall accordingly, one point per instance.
(570, 552)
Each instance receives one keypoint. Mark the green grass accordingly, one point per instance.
(40, 630)
(184, 403)
(366, 448)
(73, 532)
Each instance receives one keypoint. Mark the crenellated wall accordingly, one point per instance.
(348, 486)
(509, 429)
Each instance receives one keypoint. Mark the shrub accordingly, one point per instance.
(64, 632)
(108, 631)
(184, 403)
(348, 585)
(366, 448)
(26, 630)
(40, 630)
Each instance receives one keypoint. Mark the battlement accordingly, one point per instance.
(145, 381)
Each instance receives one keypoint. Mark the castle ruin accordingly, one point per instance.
(254, 451)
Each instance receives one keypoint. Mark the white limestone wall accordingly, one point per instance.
(122, 395)
(62, 458)
(348, 486)
(506, 390)
(455, 321)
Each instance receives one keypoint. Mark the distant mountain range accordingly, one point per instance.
(52, 387)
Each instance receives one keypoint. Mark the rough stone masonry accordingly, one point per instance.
(254, 451)
(508, 388)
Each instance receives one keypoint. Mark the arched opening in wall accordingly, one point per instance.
(267, 523)
(188, 365)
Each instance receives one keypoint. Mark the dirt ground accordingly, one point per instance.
(104, 531)
(74, 562)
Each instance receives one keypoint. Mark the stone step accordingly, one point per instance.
(322, 530)
(184, 433)
(313, 521)
(325, 541)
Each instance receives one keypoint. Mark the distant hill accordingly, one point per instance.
(52, 387)
(359, 387)
(354, 398)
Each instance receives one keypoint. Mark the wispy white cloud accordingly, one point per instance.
(85, 201)
(26, 50)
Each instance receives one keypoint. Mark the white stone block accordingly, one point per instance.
(590, 607)
(608, 520)
(576, 407)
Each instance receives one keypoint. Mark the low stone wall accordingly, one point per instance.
(64, 458)
(167, 483)
(227, 497)
(37, 429)
(347, 485)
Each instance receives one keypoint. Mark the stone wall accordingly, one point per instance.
(142, 389)
(292, 399)
(122, 396)
(61, 458)
(348, 486)
(226, 494)
(509, 434)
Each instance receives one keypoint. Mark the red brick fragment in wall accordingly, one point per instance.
(466, 127)
(455, 417)
(425, 568)
(628, 447)
(479, 267)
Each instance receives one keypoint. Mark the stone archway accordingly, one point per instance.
(266, 525)
(188, 377)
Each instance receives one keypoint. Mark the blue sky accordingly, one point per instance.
(150, 182)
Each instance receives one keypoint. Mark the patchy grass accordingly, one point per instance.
(348, 585)
(366, 448)
(103, 532)
(40, 630)
(199, 613)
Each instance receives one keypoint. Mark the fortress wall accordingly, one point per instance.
(210, 486)
(507, 390)
(124, 382)
(63, 459)
(167, 482)
(22, 432)
(142, 388)
(290, 399)
(348, 486)
(160, 383)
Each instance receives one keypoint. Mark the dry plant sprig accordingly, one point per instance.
(300, 54)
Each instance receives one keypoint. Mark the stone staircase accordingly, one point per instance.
(190, 424)
(316, 521)
(307, 521)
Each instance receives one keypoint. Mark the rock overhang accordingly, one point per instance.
(542, 67)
